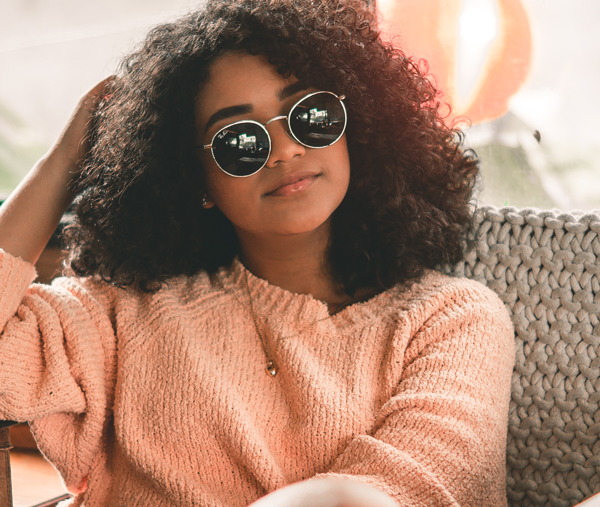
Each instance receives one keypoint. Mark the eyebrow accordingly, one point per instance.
(292, 89)
(228, 112)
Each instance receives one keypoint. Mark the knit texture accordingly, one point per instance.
(163, 399)
(545, 266)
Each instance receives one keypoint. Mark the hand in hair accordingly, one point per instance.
(32, 212)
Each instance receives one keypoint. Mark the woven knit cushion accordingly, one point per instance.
(545, 266)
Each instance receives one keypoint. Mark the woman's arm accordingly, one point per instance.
(57, 344)
(441, 438)
(30, 215)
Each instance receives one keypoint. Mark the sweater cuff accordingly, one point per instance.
(16, 275)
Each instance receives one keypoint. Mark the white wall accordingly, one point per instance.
(52, 51)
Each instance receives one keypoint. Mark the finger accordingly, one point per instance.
(102, 86)
(100, 91)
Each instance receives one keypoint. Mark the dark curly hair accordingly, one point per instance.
(139, 218)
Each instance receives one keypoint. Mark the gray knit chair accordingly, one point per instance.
(545, 266)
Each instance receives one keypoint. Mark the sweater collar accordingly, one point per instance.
(270, 301)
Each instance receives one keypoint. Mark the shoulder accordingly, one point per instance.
(184, 292)
(445, 304)
(458, 318)
(180, 299)
(437, 291)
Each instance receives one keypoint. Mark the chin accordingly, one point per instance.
(288, 217)
(300, 225)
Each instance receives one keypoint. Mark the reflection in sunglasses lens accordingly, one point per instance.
(241, 149)
(318, 120)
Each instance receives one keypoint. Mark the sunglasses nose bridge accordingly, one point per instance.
(286, 129)
(276, 118)
(282, 151)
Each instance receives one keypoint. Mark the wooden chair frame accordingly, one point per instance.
(6, 499)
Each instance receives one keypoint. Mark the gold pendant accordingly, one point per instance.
(271, 369)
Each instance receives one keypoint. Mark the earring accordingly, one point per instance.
(205, 202)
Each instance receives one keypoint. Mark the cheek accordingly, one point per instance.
(222, 189)
(233, 196)
(340, 162)
(216, 180)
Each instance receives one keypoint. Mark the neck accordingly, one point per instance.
(297, 263)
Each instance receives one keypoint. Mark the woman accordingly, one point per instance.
(267, 189)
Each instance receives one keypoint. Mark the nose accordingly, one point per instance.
(283, 146)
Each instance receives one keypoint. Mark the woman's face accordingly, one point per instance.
(299, 188)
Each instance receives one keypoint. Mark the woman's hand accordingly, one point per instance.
(326, 492)
(73, 143)
(30, 215)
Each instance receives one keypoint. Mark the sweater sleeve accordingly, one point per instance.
(441, 438)
(57, 365)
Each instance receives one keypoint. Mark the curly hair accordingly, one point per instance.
(139, 218)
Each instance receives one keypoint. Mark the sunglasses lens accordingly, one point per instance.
(241, 149)
(318, 120)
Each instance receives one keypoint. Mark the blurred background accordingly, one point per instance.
(520, 75)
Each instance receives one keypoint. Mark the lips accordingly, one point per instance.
(293, 183)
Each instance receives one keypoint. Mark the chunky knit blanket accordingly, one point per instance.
(545, 266)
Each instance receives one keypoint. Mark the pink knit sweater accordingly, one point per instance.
(163, 400)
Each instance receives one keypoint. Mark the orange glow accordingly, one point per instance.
(429, 29)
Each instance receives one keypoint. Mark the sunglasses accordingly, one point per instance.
(317, 120)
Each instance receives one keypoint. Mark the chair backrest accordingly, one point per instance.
(545, 266)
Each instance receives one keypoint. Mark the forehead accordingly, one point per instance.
(238, 78)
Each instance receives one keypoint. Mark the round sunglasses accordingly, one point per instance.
(242, 148)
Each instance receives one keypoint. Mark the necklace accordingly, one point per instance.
(271, 367)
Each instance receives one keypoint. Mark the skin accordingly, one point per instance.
(283, 238)
(238, 78)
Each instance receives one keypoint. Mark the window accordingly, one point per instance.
(525, 72)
